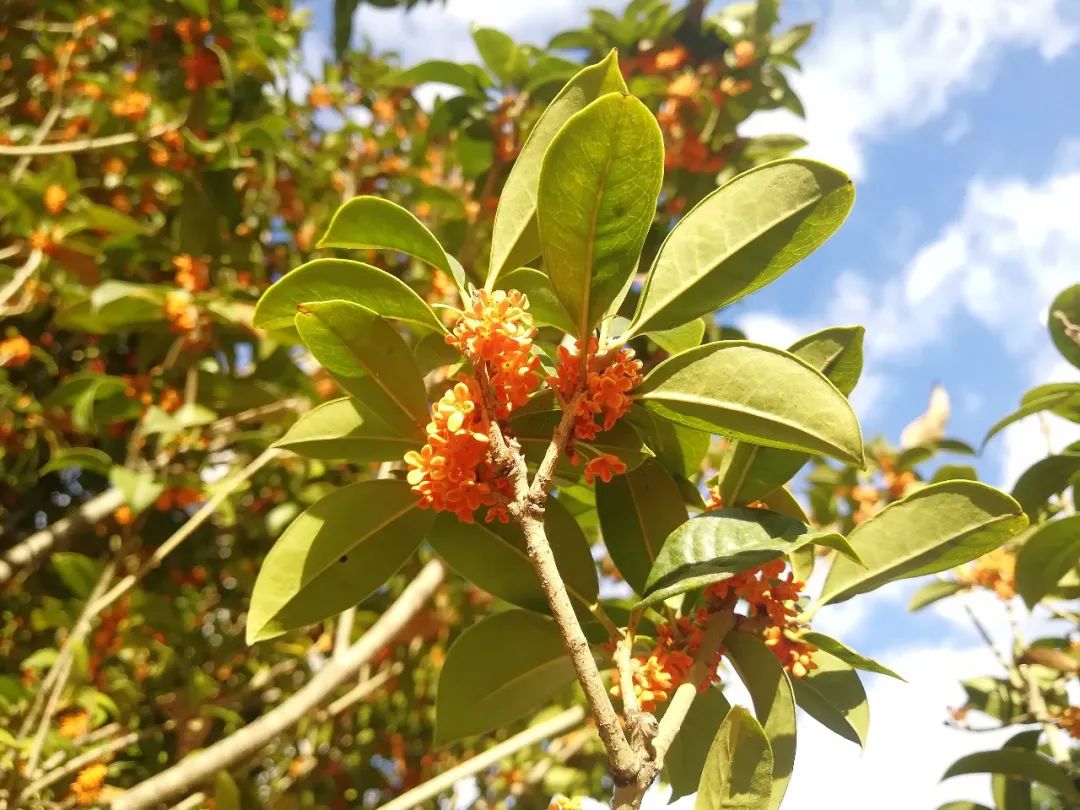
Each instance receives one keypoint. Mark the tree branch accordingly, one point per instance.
(38, 149)
(21, 276)
(195, 769)
(44, 542)
(444, 781)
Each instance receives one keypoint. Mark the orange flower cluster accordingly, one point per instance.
(657, 675)
(1069, 720)
(495, 331)
(55, 199)
(192, 274)
(14, 351)
(87, 785)
(73, 723)
(717, 502)
(320, 96)
(608, 382)
(183, 316)
(133, 105)
(995, 571)
(201, 68)
(451, 472)
(192, 29)
(769, 594)
(178, 498)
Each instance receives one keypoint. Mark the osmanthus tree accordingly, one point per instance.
(1036, 577)
(521, 431)
(157, 172)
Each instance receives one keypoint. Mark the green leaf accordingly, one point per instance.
(499, 52)
(90, 459)
(848, 655)
(1046, 477)
(738, 770)
(724, 542)
(545, 307)
(924, 452)
(774, 703)
(755, 393)
(366, 223)
(534, 429)
(638, 510)
(677, 447)
(343, 280)
(356, 345)
(1055, 398)
(334, 555)
(493, 556)
(1015, 794)
(77, 571)
(595, 203)
(1066, 307)
(498, 671)
(1019, 764)
(834, 696)
(741, 237)
(226, 793)
(339, 429)
(749, 472)
(964, 806)
(1049, 552)
(935, 528)
(934, 592)
(680, 338)
(955, 472)
(140, 488)
(689, 751)
(515, 240)
(470, 78)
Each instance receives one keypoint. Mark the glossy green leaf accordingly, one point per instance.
(364, 223)
(493, 556)
(515, 239)
(924, 452)
(226, 792)
(470, 78)
(1055, 398)
(739, 766)
(77, 571)
(499, 52)
(544, 306)
(498, 671)
(1010, 793)
(637, 512)
(339, 429)
(689, 751)
(723, 542)
(678, 447)
(848, 655)
(1065, 308)
(964, 806)
(680, 338)
(1044, 478)
(1019, 764)
(1049, 553)
(356, 345)
(756, 393)
(335, 554)
(774, 703)
(90, 459)
(934, 592)
(140, 487)
(834, 696)
(596, 199)
(750, 472)
(934, 529)
(955, 472)
(741, 237)
(343, 280)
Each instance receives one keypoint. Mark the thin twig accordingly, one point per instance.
(362, 690)
(531, 736)
(22, 275)
(38, 149)
(75, 764)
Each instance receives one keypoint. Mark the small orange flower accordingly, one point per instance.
(796, 655)
(277, 14)
(171, 400)
(73, 723)
(15, 351)
(745, 52)
(192, 274)
(123, 516)
(192, 29)
(87, 785)
(55, 198)
(183, 316)
(1069, 720)
(320, 96)
(671, 59)
(995, 571)
(608, 383)
(685, 86)
(201, 68)
(603, 467)
(133, 104)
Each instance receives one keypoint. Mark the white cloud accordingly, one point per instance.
(771, 328)
(874, 68)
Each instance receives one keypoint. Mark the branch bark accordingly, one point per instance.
(50, 538)
(195, 769)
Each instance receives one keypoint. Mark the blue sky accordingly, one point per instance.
(960, 120)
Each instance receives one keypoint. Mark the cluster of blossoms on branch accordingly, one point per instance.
(995, 571)
(454, 470)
